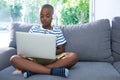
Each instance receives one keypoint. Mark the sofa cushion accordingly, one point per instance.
(17, 27)
(81, 71)
(116, 37)
(91, 41)
(117, 66)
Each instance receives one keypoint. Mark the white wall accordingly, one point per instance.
(104, 9)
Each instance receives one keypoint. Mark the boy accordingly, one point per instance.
(58, 67)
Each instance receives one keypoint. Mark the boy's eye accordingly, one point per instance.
(44, 16)
(48, 15)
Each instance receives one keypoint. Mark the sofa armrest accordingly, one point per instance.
(5, 54)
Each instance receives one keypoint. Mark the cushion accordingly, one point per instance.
(81, 71)
(117, 66)
(91, 41)
(17, 27)
(116, 37)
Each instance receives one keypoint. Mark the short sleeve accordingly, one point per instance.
(60, 38)
(34, 29)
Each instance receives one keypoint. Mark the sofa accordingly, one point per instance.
(97, 44)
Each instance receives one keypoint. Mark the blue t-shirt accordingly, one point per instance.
(60, 39)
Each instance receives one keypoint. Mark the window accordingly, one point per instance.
(92, 11)
(67, 12)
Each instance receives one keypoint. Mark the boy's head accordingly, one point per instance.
(46, 14)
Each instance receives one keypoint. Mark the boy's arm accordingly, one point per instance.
(60, 49)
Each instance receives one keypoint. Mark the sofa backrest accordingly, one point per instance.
(90, 41)
(116, 38)
(17, 27)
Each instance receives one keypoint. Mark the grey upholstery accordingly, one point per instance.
(5, 54)
(97, 45)
(116, 38)
(81, 71)
(117, 66)
(90, 41)
(17, 27)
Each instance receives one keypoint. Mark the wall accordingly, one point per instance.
(104, 9)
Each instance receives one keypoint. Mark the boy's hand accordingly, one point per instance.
(60, 49)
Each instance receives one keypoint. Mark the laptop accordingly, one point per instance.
(36, 45)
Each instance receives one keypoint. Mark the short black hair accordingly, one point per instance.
(48, 6)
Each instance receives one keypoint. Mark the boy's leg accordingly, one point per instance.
(30, 68)
(24, 64)
(67, 61)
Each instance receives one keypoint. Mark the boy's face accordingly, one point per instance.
(46, 17)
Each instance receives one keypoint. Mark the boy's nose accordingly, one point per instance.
(44, 18)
